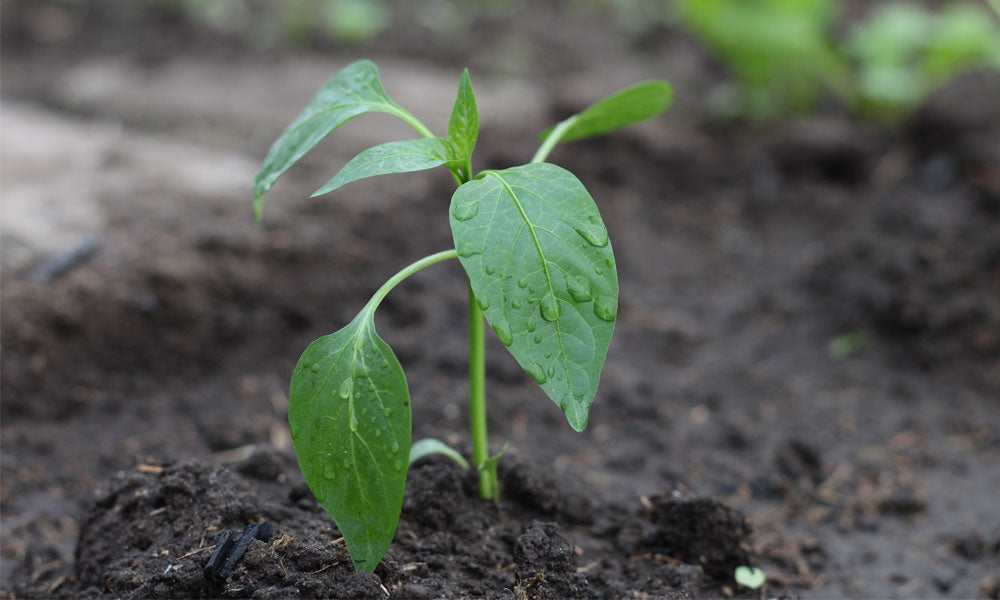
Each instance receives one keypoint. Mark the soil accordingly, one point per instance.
(805, 374)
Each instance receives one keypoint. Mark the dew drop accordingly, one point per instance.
(504, 333)
(579, 289)
(345, 388)
(466, 207)
(598, 270)
(530, 324)
(538, 339)
(548, 354)
(593, 232)
(395, 447)
(484, 303)
(490, 269)
(552, 371)
(608, 262)
(606, 308)
(378, 432)
(314, 368)
(398, 465)
(515, 305)
(329, 471)
(387, 411)
(522, 282)
(346, 462)
(537, 373)
(549, 307)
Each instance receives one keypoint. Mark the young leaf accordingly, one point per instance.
(463, 127)
(631, 105)
(353, 91)
(393, 157)
(428, 446)
(538, 257)
(349, 413)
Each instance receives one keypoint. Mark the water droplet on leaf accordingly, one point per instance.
(593, 232)
(579, 289)
(329, 472)
(466, 207)
(490, 269)
(484, 303)
(606, 308)
(504, 333)
(536, 373)
(522, 282)
(345, 388)
(549, 307)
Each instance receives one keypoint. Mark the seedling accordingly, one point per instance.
(750, 577)
(540, 270)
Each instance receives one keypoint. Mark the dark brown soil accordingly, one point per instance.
(143, 385)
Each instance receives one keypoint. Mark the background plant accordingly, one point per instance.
(540, 270)
(784, 56)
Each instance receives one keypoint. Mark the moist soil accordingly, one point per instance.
(805, 373)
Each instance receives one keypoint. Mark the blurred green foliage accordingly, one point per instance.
(784, 56)
(903, 52)
(777, 49)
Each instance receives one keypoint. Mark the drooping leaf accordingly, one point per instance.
(623, 108)
(353, 91)
(463, 127)
(393, 157)
(349, 413)
(541, 267)
(428, 446)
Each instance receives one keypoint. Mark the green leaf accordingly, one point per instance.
(393, 157)
(621, 109)
(353, 91)
(541, 267)
(463, 127)
(428, 446)
(349, 413)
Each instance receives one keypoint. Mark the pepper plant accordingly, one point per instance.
(540, 270)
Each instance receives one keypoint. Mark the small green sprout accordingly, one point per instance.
(540, 270)
(750, 577)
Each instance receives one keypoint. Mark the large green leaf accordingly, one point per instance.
(353, 91)
(349, 413)
(631, 105)
(463, 127)
(537, 254)
(393, 157)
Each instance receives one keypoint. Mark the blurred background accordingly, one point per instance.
(808, 245)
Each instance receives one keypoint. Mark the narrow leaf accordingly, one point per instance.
(393, 157)
(463, 127)
(349, 413)
(353, 91)
(541, 267)
(621, 109)
(428, 446)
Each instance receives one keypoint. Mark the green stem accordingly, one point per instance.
(552, 139)
(477, 399)
(413, 122)
(395, 280)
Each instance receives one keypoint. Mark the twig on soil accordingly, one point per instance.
(57, 584)
(198, 551)
(201, 544)
(150, 469)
